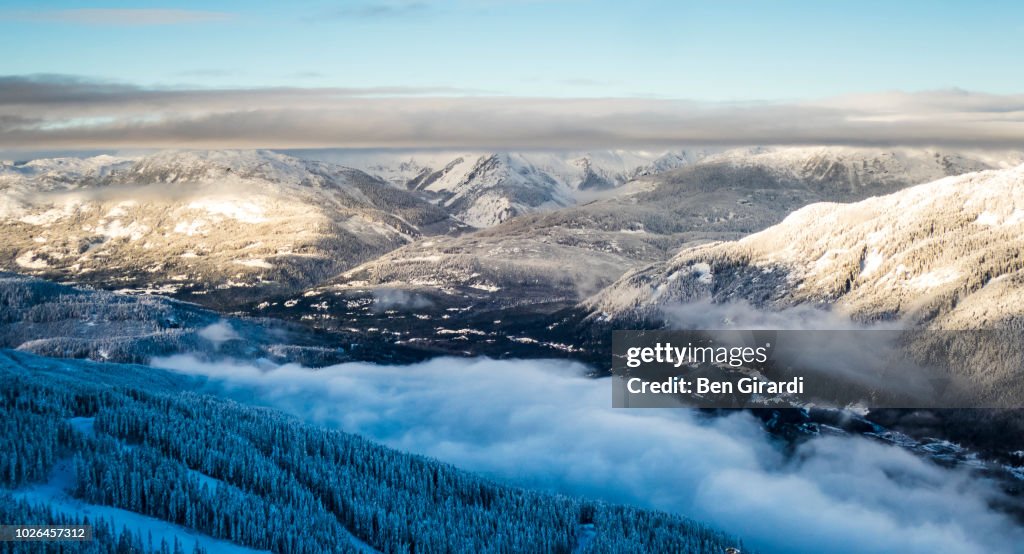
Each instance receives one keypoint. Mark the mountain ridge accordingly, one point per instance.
(921, 253)
(205, 223)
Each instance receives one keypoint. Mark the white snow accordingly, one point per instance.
(702, 271)
(28, 260)
(190, 228)
(443, 331)
(50, 216)
(243, 211)
(255, 262)
(993, 219)
(116, 230)
(935, 278)
(988, 218)
(872, 262)
(489, 210)
(159, 290)
(121, 209)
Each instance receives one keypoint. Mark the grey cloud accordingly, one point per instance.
(120, 16)
(958, 100)
(73, 92)
(59, 89)
(11, 121)
(72, 112)
(541, 424)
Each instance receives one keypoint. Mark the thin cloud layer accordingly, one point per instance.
(540, 423)
(59, 112)
(373, 10)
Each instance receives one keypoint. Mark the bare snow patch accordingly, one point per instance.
(991, 219)
(702, 271)
(50, 216)
(245, 211)
(190, 228)
(988, 218)
(871, 263)
(117, 230)
(255, 262)
(934, 278)
(28, 260)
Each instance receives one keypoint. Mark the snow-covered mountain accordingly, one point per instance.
(946, 254)
(572, 252)
(944, 257)
(486, 188)
(847, 169)
(515, 278)
(218, 223)
(242, 226)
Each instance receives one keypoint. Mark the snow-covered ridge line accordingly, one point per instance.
(946, 253)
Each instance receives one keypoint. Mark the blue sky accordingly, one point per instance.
(705, 50)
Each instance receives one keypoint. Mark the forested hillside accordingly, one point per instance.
(50, 319)
(81, 434)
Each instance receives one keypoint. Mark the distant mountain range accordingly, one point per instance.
(557, 258)
(244, 229)
(487, 188)
(203, 223)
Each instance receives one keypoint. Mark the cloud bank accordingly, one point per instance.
(390, 299)
(60, 112)
(541, 424)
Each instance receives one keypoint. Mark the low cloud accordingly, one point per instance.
(218, 333)
(390, 299)
(705, 314)
(542, 424)
(61, 112)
